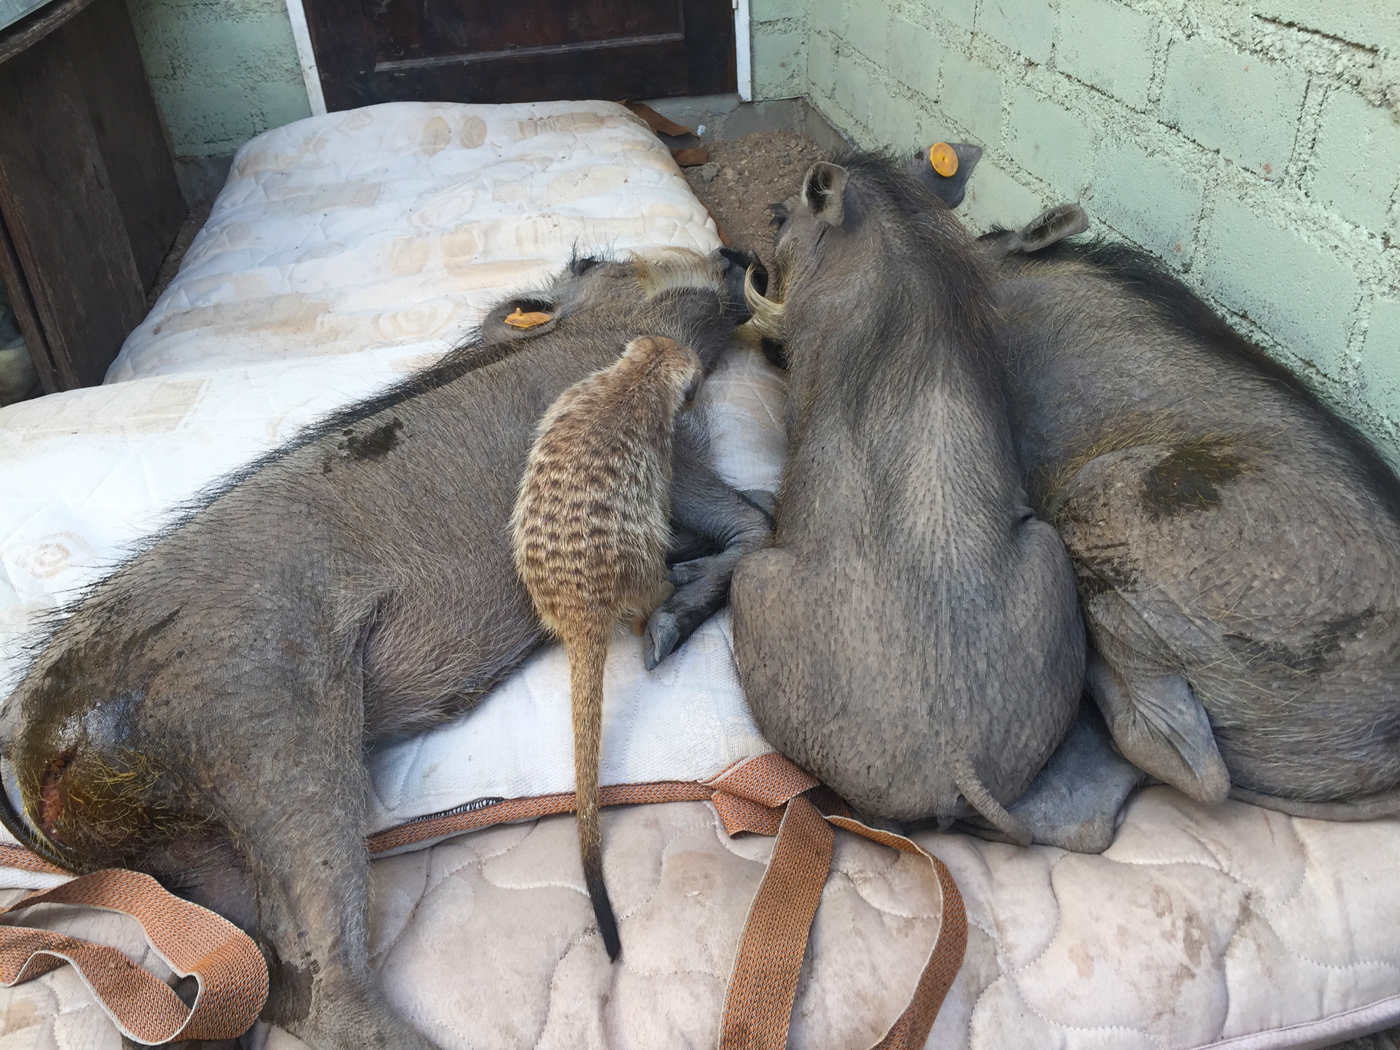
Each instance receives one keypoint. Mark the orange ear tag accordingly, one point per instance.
(530, 320)
(943, 159)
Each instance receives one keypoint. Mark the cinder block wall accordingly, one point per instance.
(222, 70)
(1253, 144)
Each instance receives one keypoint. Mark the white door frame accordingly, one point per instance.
(743, 49)
(309, 74)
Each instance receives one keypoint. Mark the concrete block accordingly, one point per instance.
(853, 87)
(868, 29)
(221, 72)
(214, 119)
(894, 121)
(831, 14)
(1357, 160)
(1373, 23)
(1025, 26)
(960, 12)
(1380, 359)
(1242, 105)
(1147, 198)
(821, 63)
(1109, 45)
(1300, 294)
(971, 95)
(915, 57)
(282, 103)
(994, 198)
(779, 61)
(1050, 142)
(775, 10)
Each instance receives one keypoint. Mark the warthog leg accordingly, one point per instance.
(707, 513)
(296, 810)
(1160, 726)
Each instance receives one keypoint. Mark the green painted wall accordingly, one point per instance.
(222, 70)
(1252, 144)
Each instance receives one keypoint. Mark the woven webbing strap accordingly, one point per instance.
(229, 969)
(758, 1006)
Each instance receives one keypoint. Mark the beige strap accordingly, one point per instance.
(510, 810)
(224, 961)
(758, 1006)
(749, 796)
(910, 1030)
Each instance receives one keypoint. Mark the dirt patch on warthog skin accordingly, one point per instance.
(375, 443)
(1331, 637)
(1188, 477)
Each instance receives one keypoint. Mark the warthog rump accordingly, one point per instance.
(1237, 545)
(202, 713)
(913, 639)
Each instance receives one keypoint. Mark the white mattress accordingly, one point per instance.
(1227, 926)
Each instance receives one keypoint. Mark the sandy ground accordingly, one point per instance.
(745, 176)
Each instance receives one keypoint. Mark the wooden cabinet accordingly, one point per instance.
(519, 50)
(89, 202)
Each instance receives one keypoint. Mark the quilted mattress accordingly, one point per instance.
(350, 248)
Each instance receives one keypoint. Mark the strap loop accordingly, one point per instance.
(758, 1006)
(230, 971)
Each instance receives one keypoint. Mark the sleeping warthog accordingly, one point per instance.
(202, 713)
(913, 639)
(1237, 545)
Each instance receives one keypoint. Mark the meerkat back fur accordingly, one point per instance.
(591, 528)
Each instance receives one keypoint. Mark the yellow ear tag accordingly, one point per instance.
(943, 159)
(530, 320)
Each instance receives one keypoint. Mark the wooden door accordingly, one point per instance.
(519, 50)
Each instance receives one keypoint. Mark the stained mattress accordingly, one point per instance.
(348, 249)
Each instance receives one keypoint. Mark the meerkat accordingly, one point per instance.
(590, 529)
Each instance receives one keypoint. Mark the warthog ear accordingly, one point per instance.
(1049, 227)
(944, 168)
(520, 317)
(1053, 224)
(824, 190)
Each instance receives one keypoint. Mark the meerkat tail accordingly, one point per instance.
(980, 799)
(586, 660)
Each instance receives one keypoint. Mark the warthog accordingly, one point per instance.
(202, 713)
(1237, 544)
(913, 639)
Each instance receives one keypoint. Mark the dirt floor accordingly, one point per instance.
(745, 176)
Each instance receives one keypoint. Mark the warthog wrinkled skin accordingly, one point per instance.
(203, 712)
(913, 638)
(1237, 545)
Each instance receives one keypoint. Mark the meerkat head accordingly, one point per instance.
(665, 361)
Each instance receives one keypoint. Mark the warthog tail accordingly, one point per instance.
(980, 799)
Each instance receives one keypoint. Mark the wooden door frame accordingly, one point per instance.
(743, 53)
